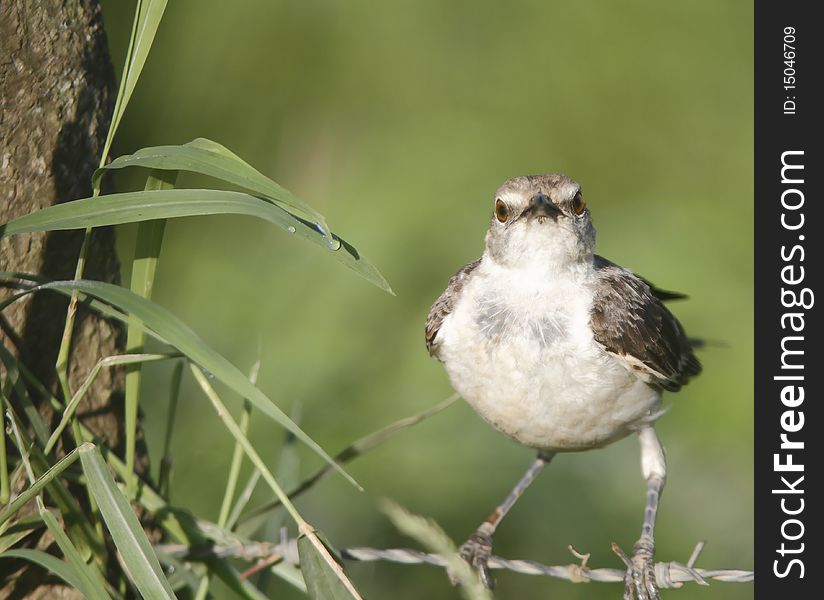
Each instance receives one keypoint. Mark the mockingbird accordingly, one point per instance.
(559, 348)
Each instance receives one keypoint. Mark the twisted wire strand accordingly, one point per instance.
(667, 574)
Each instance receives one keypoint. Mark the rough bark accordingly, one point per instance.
(56, 98)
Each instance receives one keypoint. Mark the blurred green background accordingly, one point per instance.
(397, 121)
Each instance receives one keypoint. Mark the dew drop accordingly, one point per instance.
(332, 243)
(291, 229)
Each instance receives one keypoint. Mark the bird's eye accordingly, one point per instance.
(578, 204)
(501, 210)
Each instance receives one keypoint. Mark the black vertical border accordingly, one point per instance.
(776, 133)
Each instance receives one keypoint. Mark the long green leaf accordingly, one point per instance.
(131, 207)
(90, 580)
(51, 563)
(168, 327)
(139, 559)
(149, 14)
(187, 529)
(210, 158)
(147, 18)
(324, 577)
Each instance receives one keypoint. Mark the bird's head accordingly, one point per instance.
(540, 220)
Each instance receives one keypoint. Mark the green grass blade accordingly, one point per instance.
(250, 451)
(35, 463)
(166, 461)
(290, 574)
(144, 264)
(171, 329)
(34, 418)
(91, 581)
(237, 455)
(147, 19)
(187, 529)
(21, 528)
(131, 207)
(242, 500)
(51, 563)
(210, 158)
(5, 490)
(10, 510)
(324, 577)
(109, 361)
(142, 565)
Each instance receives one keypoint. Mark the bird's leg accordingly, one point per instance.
(478, 548)
(639, 583)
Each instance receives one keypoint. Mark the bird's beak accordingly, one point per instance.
(541, 206)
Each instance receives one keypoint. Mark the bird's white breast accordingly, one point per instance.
(519, 348)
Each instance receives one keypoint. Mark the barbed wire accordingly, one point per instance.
(667, 574)
(670, 575)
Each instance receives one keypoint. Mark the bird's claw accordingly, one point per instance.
(476, 551)
(639, 581)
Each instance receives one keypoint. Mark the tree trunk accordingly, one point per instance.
(56, 99)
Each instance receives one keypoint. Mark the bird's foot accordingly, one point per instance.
(476, 551)
(639, 581)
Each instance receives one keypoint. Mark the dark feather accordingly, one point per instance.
(629, 320)
(444, 305)
(663, 295)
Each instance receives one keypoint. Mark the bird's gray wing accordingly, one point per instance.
(630, 321)
(444, 305)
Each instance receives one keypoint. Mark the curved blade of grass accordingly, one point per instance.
(91, 581)
(131, 207)
(147, 20)
(51, 563)
(324, 577)
(12, 534)
(34, 489)
(168, 327)
(140, 561)
(210, 158)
